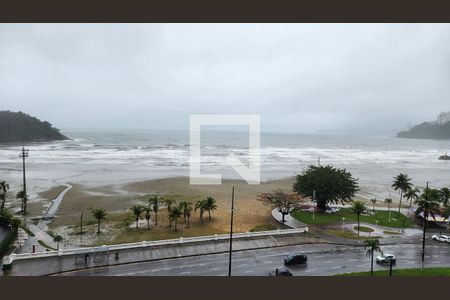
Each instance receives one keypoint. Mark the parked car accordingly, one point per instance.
(386, 259)
(441, 238)
(280, 272)
(296, 259)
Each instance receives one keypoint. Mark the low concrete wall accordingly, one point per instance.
(45, 263)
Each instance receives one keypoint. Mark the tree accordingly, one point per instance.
(15, 222)
(175, 214)
(284, 202)
(358, 207)
(169, 203)
(374, 246)
(4, 187)
(99, 214)
(389, 202)
(147, 216)
(444, 196)
(21, 195)
(429, 206)
(210, 206)
(154, 202)
(403, 184)
(412, 195)
(201, 206)
(186, 208)
(325, 185)
(57, 239)
(137, 211)
(374, 201)
(5, 216)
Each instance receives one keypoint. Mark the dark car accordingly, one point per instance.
(296, 259)
(280, 272)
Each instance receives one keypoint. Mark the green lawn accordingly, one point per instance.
(380, 215)
(349, 235)
(363, 229)
(405, 272)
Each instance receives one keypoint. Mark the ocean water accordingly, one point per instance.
(111, 156)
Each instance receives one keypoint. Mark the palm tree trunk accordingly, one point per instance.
(137, 223)
(57, 246)
(156, 218)
(371, 263)
(188, 222)
(358, 223)
(98, 226)
(148, 224)
(400, 204)
(176, 221)
(209, 213)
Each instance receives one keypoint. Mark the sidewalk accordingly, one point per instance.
(39, 234)
(289, 220)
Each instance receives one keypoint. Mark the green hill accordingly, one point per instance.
(427, 130)
(18, 127)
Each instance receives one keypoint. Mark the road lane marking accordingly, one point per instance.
(214, 269)
(267, 262)
(184, 273)
(328, 262)
(243, 265)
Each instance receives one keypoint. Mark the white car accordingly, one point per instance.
(441, 238)
(386, 258)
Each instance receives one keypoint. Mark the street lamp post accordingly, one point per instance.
(23, 155)
(425, 220)
(231, 232)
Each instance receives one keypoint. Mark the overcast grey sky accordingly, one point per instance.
(299, 77)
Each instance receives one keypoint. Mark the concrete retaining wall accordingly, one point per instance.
(68, 260)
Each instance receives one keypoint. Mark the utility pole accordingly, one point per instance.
(231, 232)
(425, 220)
(23, 155)
(81, 229)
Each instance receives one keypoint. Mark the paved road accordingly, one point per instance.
(323, 259)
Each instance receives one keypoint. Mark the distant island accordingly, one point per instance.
(438, 130)
(18, 127)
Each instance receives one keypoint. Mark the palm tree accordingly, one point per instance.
(412, 194)
(201, 206)
(358, 207)
(154, 203)
(429, 207)
(169, 203)
(4, 187)
(57, 239)
(186, 207)
(210, 206)
(21, 195)
(99, 214)
(373, 245)
(147, 216)
(175, 214)
(137, 211)
(389, 202)
(444, 196)
(403, 184)
(373, 200)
